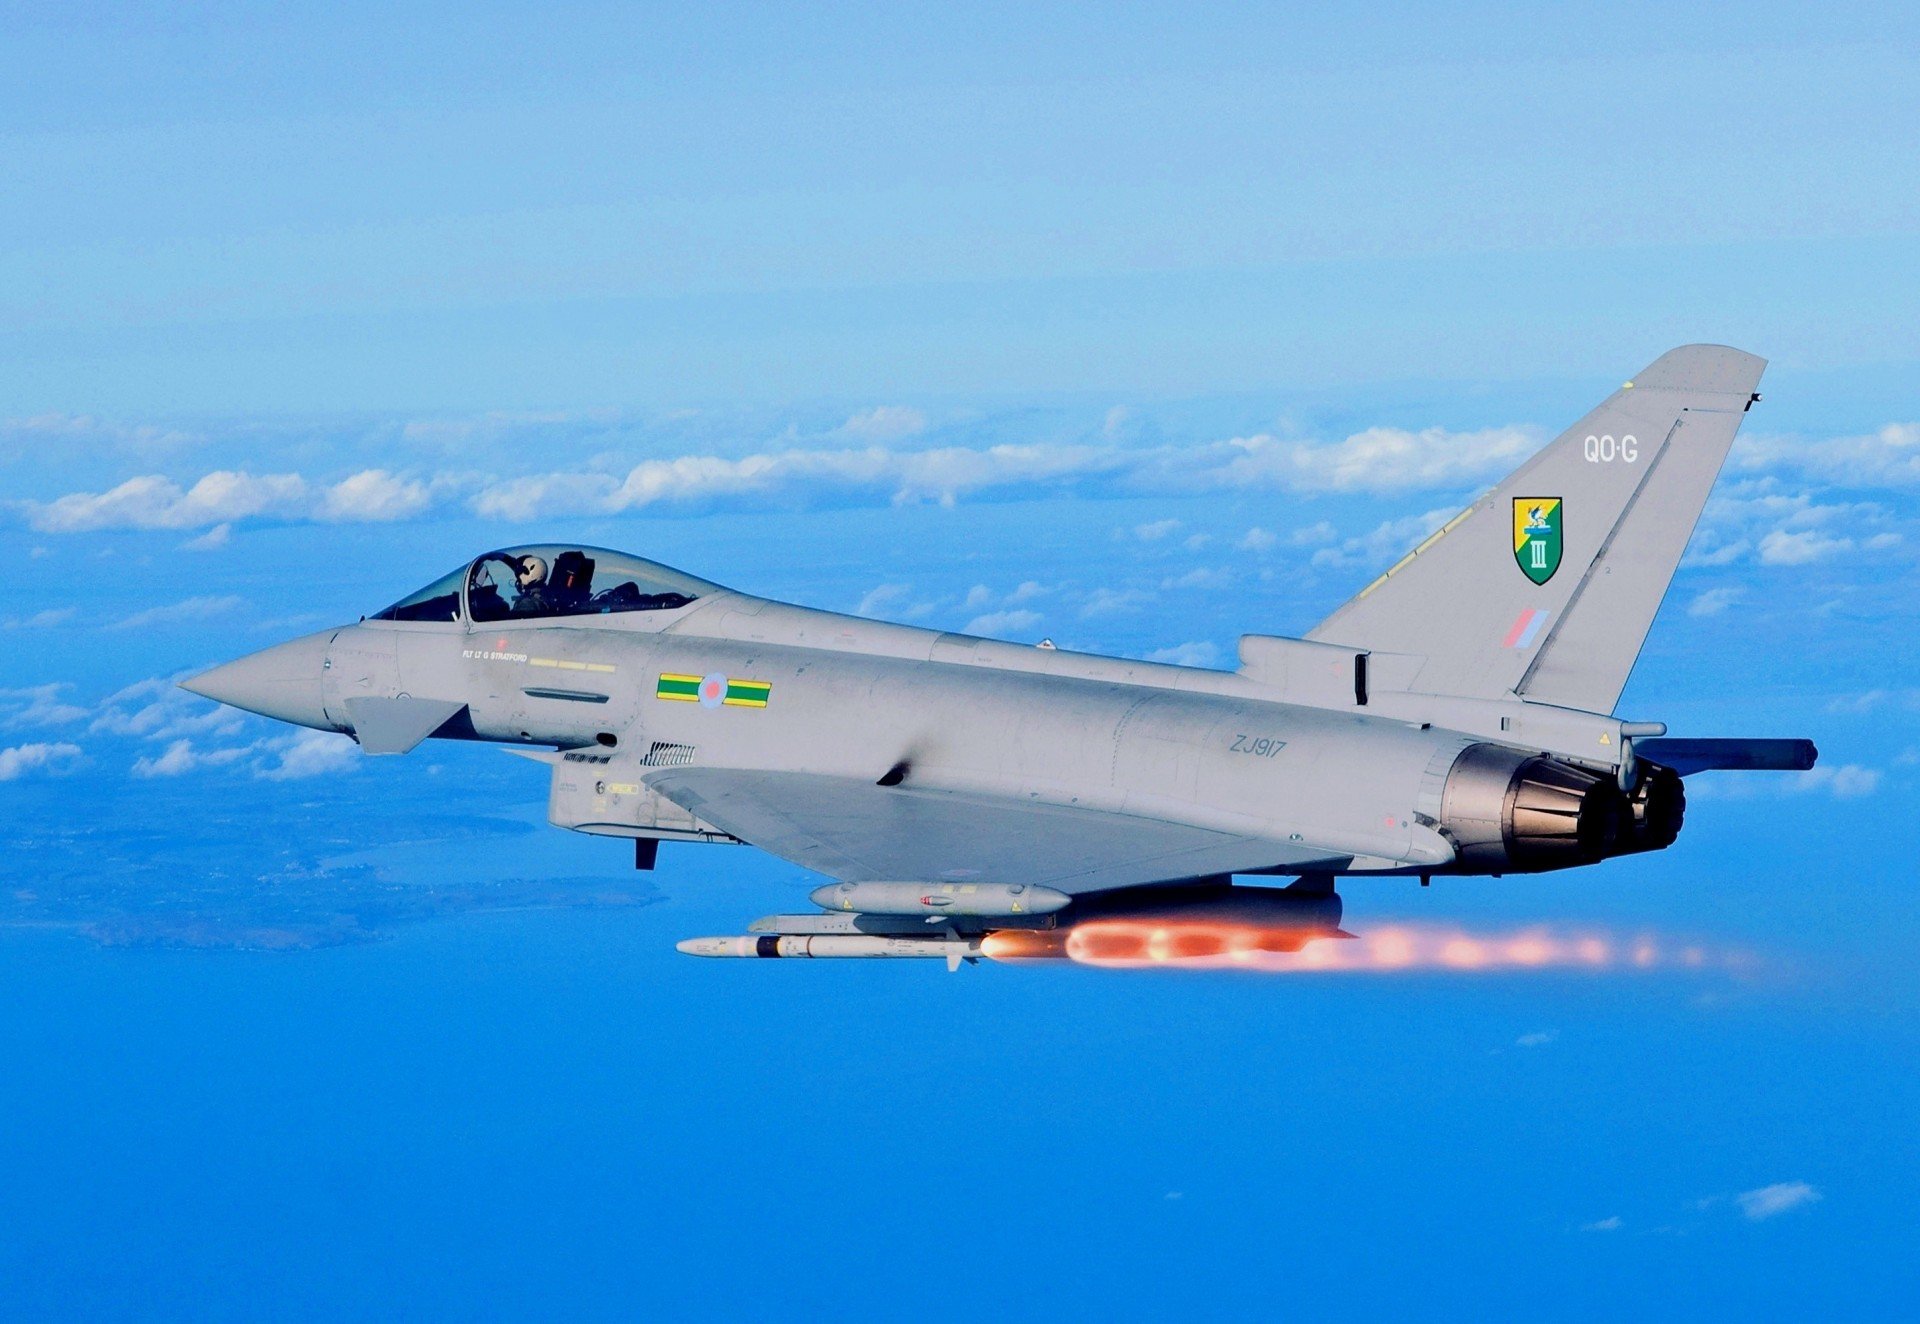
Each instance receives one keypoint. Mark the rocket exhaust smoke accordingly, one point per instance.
(1413, 946)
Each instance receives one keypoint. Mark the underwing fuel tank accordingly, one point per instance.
(970, 899)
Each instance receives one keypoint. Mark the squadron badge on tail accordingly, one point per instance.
(1536, 536)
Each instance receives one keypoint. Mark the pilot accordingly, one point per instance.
(530, 575)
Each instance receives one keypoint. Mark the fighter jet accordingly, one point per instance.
(966, 797)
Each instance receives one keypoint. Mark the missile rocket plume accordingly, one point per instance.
(1386, 949)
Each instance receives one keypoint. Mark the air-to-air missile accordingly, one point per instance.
(1140, 925)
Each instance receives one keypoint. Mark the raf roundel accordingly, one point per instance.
(714, 691)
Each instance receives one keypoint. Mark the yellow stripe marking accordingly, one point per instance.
(1403, 562)
(565, 665)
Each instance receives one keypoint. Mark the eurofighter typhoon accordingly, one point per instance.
(967, 797)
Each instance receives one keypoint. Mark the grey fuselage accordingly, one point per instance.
(1453, 716)
(1355, 788)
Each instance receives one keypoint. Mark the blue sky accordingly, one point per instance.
(1136, 329)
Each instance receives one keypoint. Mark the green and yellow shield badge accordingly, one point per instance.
(1536, 536)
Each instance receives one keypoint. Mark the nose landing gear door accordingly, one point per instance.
(361, 664)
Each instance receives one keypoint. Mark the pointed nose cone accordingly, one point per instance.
(282, 682)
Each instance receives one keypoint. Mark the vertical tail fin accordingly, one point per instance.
(1546, 586)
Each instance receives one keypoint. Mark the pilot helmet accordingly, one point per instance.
(532, 571)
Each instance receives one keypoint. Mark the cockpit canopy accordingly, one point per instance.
(547, 580)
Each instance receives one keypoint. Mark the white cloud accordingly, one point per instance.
(694, 477)
(1257, 540)
(1011, 615)
(20, 760)
(522, 499)
(39, 705)
(877, 454)
(1199, 654)
(1156, 530)
(309, 754)
(1785, 527)
(885, 423)
(881, 599)
(72, 428)
(1314, 535)
(1613, 1224)
(157, 709)
(995, 624)
(1537, 1038)
(1887, 458)
(1847, 781)
(1106, 601)
(1714, 552)
(373, 496)
(903, 476)
(1800, 547)
(41, 620)
(457, 432)
(1202, 577)
(1378, 460)
(275, 758)
(1715, 600)
(181, 757)
(152, 710)
(173, 613)
(212, 540)
(1771, 1201)
(155, 502)
(1386, 543)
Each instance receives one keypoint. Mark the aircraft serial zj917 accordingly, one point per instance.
(969, 797)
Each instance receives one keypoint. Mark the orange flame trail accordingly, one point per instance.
(1389, 948)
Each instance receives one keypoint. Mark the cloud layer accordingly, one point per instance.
(1768, 514)
(154, 501)
(1889, 457)
(867, 463)
(175, 733)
